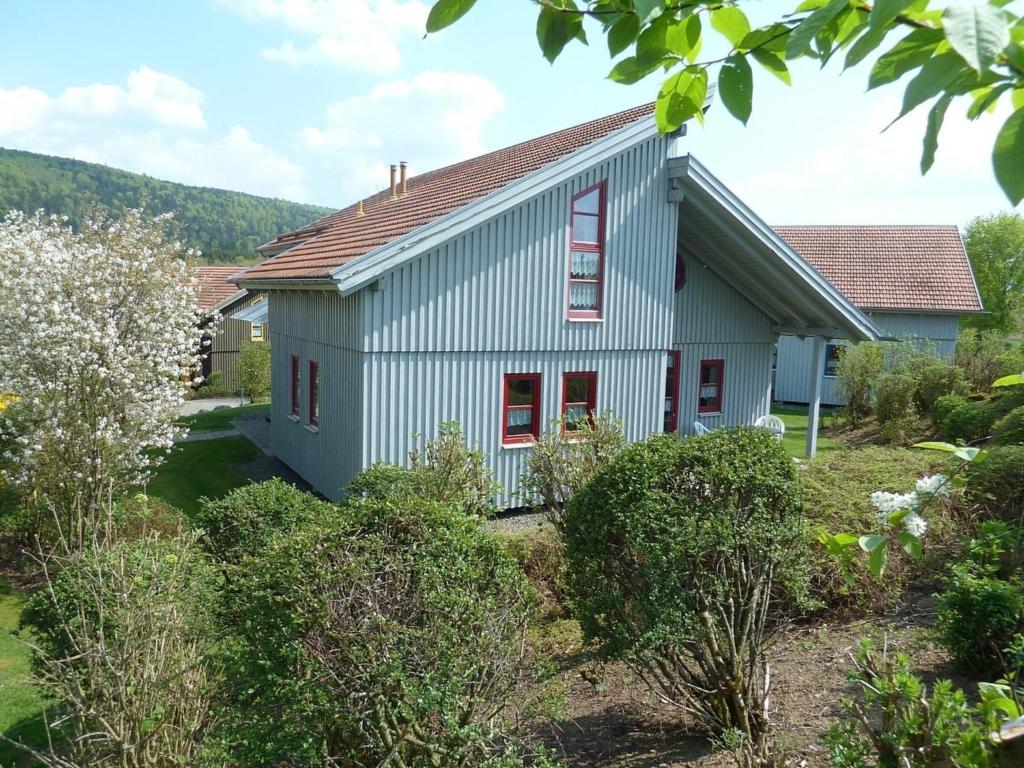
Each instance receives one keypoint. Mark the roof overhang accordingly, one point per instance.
(718, 229)
(254, 313)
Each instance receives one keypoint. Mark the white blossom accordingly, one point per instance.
(933, 485)
(886, 503)
(100, 327)
(915, 524)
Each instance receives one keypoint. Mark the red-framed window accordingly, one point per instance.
(711, 388)
(520, 411)
(586, 253)
(672, 364)
(680, 271)
(579, 399)
(314, 393)
(296, 375)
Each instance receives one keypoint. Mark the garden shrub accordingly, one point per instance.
(944, 406)
(897, 722)
(406, 622)
(124, 639)
(539, 554)
(1009, 430)
(860, 366)
(895, 407)
(935, 380)
(663, 537)
(968, 422)
(837, 487)
(977, 617)
(997, 483)
(242, 522)
(561, 463)
(444, 469)
(254, 369)
(981, 356)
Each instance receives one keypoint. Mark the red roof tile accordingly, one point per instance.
(214, 286)
(344, 236)
(899, 268)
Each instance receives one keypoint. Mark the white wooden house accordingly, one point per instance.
(913, 282)
(593, 269)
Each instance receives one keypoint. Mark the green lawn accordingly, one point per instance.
(795, 439)
(20, 704)
(221, 418)
(201, 468)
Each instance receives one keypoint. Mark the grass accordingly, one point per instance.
(795, 439)
(201, 468)
(21, 706)
(220, 418)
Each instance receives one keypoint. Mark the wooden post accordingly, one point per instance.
(814, 404)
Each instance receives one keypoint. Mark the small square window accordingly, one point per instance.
(256, 332)
(521, 408)
(579, 397)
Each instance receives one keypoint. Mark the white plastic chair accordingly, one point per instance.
(773, 424)
(700, 429)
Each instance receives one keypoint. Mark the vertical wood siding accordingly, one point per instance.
(715, 322)
(227, 342)
(793, 367)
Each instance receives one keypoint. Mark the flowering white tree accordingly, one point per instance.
(100, 327)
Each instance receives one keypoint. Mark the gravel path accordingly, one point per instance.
(516, 522)
(216, 434)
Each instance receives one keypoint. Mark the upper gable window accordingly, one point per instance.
(586, 253)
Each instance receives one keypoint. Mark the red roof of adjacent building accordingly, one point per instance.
(896, 268)
(214, 286)
(346, 235)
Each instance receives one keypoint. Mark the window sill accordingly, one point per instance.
(313, 429)
(293, 417)
(518, 445)
(703, 414)
(585, 319)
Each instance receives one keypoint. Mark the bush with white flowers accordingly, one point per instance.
(99, 331)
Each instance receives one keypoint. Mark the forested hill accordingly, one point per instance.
(225, 226)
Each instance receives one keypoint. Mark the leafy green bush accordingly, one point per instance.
(977, 617)
(970, 421)
(897, 722)
(944, 406)
(837, 487)
(664, 536)
(243, 522)
(981, 356)
(1009, 430)
(390, 631)
(254, 369)
(895, 407)
(860, 366)
(997, 483)
(935, 380)
(444, 469)
(124, 638)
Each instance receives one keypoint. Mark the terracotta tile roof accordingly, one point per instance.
(344, 236)
(891, 267)
(214, 286)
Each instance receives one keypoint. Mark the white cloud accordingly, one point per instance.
(434, 119)
(153, 125)
(357, 34)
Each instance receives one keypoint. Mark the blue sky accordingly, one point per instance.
(312, 99)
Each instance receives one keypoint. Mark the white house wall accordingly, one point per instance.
(793, 366)
(714, 322)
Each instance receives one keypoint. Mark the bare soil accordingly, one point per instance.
(609, 719)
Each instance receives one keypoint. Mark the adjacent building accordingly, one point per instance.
(598, 268)
(219, 296)
(913, 282)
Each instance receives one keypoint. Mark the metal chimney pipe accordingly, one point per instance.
(405, 178)
(394, 188)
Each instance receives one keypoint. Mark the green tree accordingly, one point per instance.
(954, 50)
(995, 246)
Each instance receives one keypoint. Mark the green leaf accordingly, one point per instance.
(967, 453)
(935, 76)
(555, 29)
(736, 87)
(771, 38)
(623, 34)
(985, 99)
(447, 12)
(934, 446)
(773, 63)
(911, 544)
(730, 22)
(977, 31)
(680, 98)
(800, 40)
(684, 37)
(867, 43)
(646, 9)
(931, 135)
(1017, 98)
(877, 560)
(1010, 381)
(909, 53)
(1008, 157)
(872, 541)
(629, 71)
(652, 45)
(884, 11)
